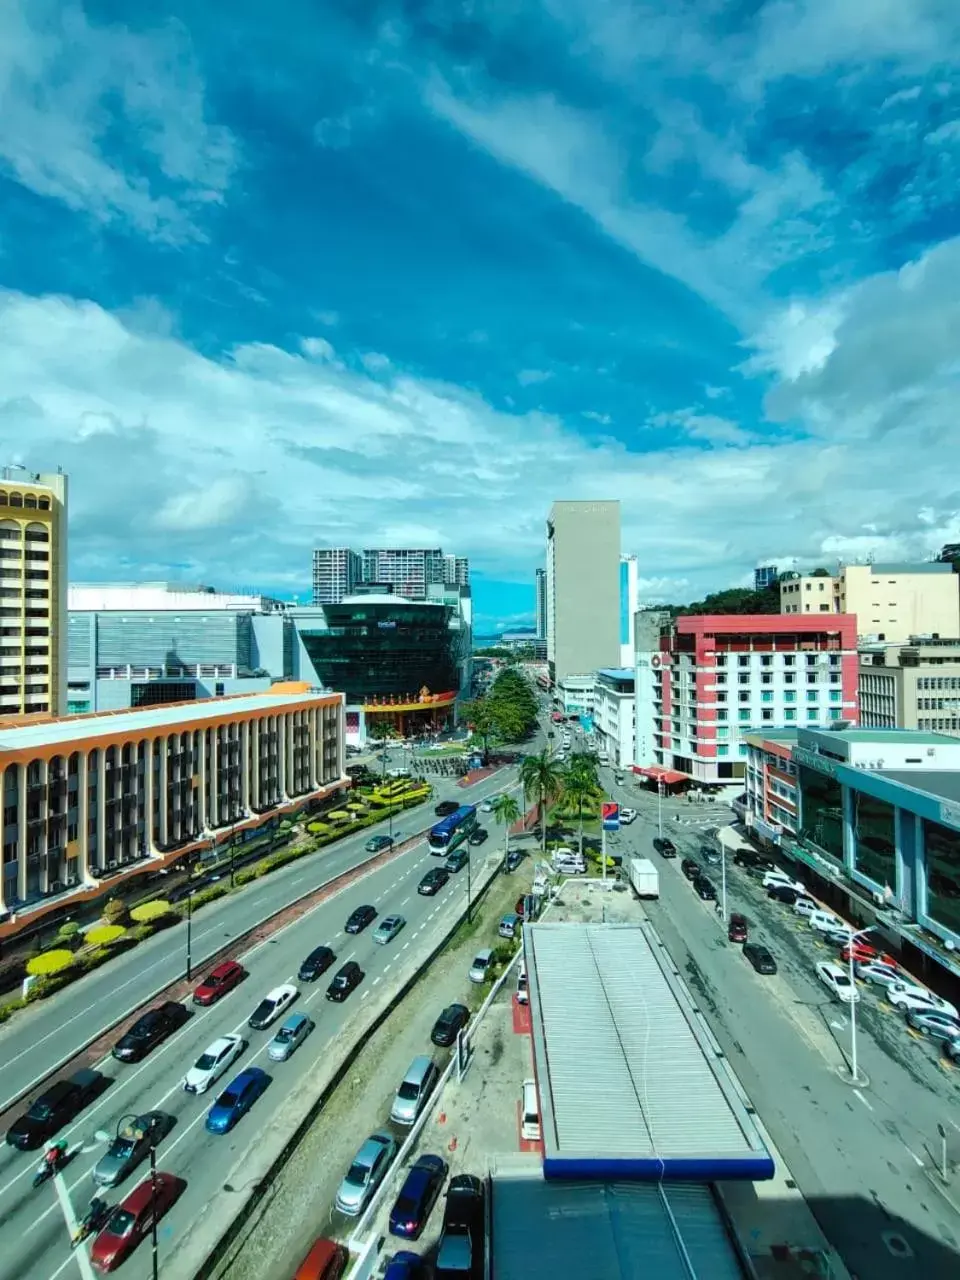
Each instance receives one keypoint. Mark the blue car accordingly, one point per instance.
(237, 1099)
(404, 1266)
(418, 1195)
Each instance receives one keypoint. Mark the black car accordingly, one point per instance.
(705, 889)
(358, 920)
(445, 808)
(760, 957)
(666, 848)
(478, 836)
(317, 962)
(344, 981)
(418, 1195)
(784, 893)
(149, 1030)
(433, 881)
(55, 1107)
(690, 868)
(709, 854)
(513, 860)
(457, 860)
(450, 1023)
(376, 844)
(460, 1251)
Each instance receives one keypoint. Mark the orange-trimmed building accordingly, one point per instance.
(90, 798)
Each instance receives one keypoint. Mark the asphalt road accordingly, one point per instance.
(863, 1157)
(35, 1040)
(34, 1238)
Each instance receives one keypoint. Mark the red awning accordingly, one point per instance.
(658, 773)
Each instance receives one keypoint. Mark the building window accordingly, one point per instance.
(744, 697)
(789, 659)
(813, 716)
(766, 660)
(834, 695)
(723, 751)
(766, 714)
(834, 713)
(943, 874)
(721, 715)
(766, 697)
(744, 717)
(812, 695)
(821, 812)
(743, 660)
(789, 677)
(723, 732)
(790, 695)
(874, 840)
(790, 714)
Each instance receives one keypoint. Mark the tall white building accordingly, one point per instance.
(540, 589)
(629, 604)
(583, 587)
(336, 573)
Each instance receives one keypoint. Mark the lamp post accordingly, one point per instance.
(855, 1077)
(189, 933)
(723, 880)
(660, 808)
(130, 1122)
(469, 885)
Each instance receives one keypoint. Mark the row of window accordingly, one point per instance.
(30, 501)
(940, 724)
(789, 677)
(938, 682)
(788, 659)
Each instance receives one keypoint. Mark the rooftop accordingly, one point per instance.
(906, 737)
(608, 1008)
(618, 673)
(51, 733)
(771, 735)
(943, 783)
(928, 566)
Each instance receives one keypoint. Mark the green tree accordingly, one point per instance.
(479, 714)
(542, 779)
(580, 786)
(381, 732)
(507, 812)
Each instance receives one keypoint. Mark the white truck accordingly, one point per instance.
(644, 878)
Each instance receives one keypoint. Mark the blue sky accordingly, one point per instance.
(403, 273)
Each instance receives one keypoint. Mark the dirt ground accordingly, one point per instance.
(299, 1205)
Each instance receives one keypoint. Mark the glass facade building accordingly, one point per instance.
(942, 847)
(822, 812)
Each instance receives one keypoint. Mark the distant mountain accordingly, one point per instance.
(486, 642)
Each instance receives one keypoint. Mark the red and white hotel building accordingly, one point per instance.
(708, 681)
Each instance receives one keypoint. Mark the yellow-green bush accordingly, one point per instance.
(318, 828)
(68, 931)
(148, 911)
(49, 963)
(102, 935)
(115, 911)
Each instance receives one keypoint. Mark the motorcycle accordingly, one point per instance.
(48, 1169)
(95, 1217)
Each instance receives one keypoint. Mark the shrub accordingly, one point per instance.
(318, 828)
(49, 963)
(210, 895)
(10, 1008)
(68, 931)
(115, 912)
(148, 911)
(94, 959)
(44, 987)
(102, 935)
(141, 932)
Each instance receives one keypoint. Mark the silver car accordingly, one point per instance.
(369, 1167)
(131, 1145)
(388, 928)
(290, 1036)
(934, 1023)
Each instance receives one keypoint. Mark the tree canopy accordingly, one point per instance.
(508, 713)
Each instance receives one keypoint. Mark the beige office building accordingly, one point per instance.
(33, 593)
(583, 587)
(892, 602)
(911, 686)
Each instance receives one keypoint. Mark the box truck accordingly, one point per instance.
(644, 878)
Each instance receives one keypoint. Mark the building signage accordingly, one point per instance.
(387, 624)
(814, 761)
(610, 816)
(950, 813)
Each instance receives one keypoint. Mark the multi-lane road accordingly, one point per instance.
(34, 1224)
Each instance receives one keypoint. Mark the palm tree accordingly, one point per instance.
(584, 764)
(541, 777)
(380, 731)
(507, 811)
(579, 788)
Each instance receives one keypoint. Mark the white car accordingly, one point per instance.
(212, 1063)
(806, 907)
(272, 1005)
(907, 996)
(627, 816)
(780, 877)
(825, 922)
(878, 972)
(837, 981)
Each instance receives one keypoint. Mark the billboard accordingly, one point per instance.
(610, 815)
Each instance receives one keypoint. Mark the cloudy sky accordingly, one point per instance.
(356, 272)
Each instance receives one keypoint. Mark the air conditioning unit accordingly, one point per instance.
(111, 866)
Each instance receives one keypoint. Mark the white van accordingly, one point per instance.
(530, 1112)
(825, 921)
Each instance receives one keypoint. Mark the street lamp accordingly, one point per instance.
(134, 1128)
(660, 808)
(855, 1077)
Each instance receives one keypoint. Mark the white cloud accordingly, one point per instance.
(318, 348)
(375, 361)
(220, 502)
(592, 415)
(67, 86)
(329, 318)
(530, 377)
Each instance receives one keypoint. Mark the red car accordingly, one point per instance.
(132, 1220)
(218, 982)
(862, 952)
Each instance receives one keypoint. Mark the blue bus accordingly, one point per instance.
(453, 830)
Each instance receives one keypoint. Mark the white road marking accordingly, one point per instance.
(864, 1100)
(83, 1261)
(366, 993)
(913, 1155)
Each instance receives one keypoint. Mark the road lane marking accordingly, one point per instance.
(70, 1218)
(913, 1155)
(863, 1100)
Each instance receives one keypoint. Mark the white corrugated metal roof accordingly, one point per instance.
(628, 1079)
(609, 1231)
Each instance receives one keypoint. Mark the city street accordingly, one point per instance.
(788, 1041)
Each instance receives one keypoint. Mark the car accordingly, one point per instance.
(132, 1219)
(838, 937)
(272, 1005)
(760, 957)
(365, 1174)
(433, 881)
(290, 1037)
(477, 836)
(690, 868)
(862, 951)
(510, 925)
(457, 860)
(417, 1196)
(445, 808)
(751, 861)
(405, 1265)
(344, 981)
(388, 928)
(219, 982)
(627, 816)
(952, 1049)
(711, 855)
(804, 906)
(705, 889)
(907, 996)
(666, 848)
(777, 877)
(149, 1030)
(236, 1100)
(377, 843)
(317, 962)
(513, 860)
(212, 1063)
(449, 1025)
(327, 1260)
(460, 1251)
(878, 972)
(358, 920)
(737, 929)
(934, 1023)
(486, 806)
(837, 981)
(131, 1145)
(785, 893)
(59, 1104)
(824, 922)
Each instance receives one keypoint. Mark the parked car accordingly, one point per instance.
(377, 844)
(907, 996)
(666, 848)
(365, 1174)
(863, 951)
(433, 881)
(510, 925)
(690, 868)
(219, 982)
(477, 836)
(824, 922)
(58, 1105)
(482, 966)
(347, 977)
(405, 1265)
(805, 906)
(878, 972)
(760, 957)
(952, 1049)
(837, 981)
(236, 1100)
(737, 930)
(486, 806)
(838, 937)
(777, 876)
(449, 1025)
(131, 1145)
(627, 816)
(705, 889)
(785, 893)
(935, 1024)
(417, 1196)
(445, 808)
(290, 1037)
(358, 920)
(149, 1030)
(317, 962)
(212, 1063)
(513, 860)
(327, 1260)
(272, 1005)
(711, 855)
(461, 1247)
(457, 860)
(388, 928)
(132, 1219)
(752, 861)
